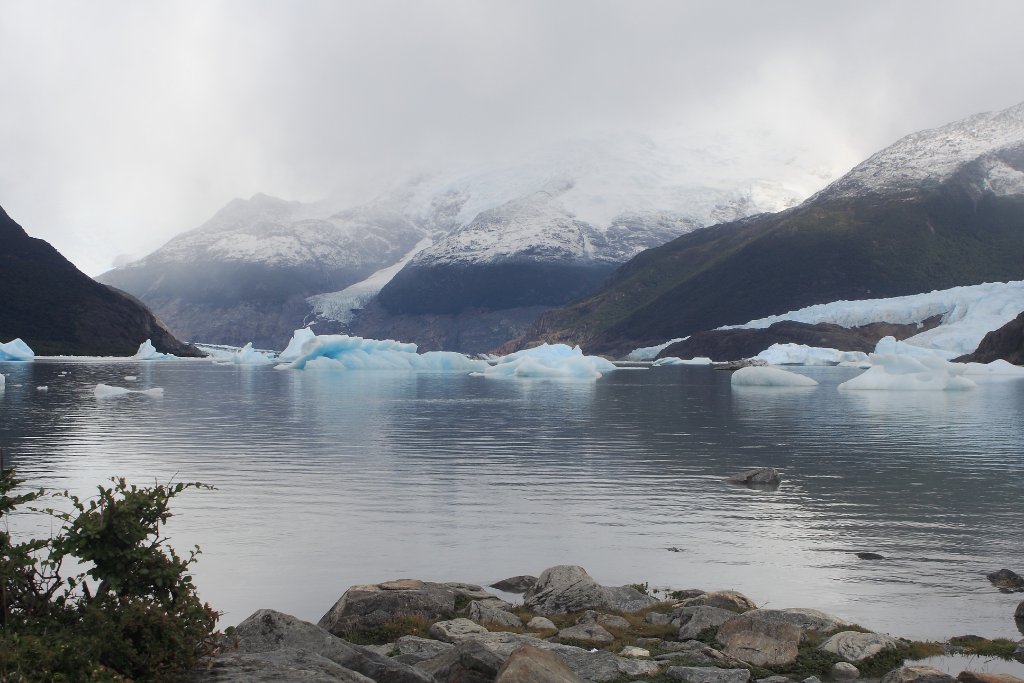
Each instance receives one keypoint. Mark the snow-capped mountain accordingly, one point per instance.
(533, 231)
(991, 142)
(937, 209)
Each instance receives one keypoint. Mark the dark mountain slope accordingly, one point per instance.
(57, 309)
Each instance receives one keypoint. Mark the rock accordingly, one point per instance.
(606, 620)
(1006, 343)
(1018, 653)
(267, 631)
(811, 679)
(1006, 580)
(809, 621)
(481, 613)
(853, 646)
(631, 651)
(730, 600)
(515, 584)
(844, 671)
(693, 620)
(775, 679)
(541, 624)
(455, 630)
(700, 674)
(870, 556)
(1019, 612)
(589, 634)
(530, 664)
(979, 677)
(917, 674)
(697, 653)
(760, 641)
(286, 665)
(759, 476)
(467, 662)
(658, 618)
(413, 649)
(568, 588)
(367, 607)
(687, 594)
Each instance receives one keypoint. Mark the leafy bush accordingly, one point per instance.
(143, 621)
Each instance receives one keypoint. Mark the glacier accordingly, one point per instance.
(16, 349)
(549, 361)
(760, 376)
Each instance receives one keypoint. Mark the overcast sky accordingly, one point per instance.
(125, 122)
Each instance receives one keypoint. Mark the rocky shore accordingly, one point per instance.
(567, 629)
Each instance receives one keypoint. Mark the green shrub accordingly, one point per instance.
(133, 614)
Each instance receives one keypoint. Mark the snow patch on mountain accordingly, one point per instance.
(929, 157)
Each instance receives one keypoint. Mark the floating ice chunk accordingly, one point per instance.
(760, 376)
(801, 354)
(107, 391)
(42, 388)
(342, 352)
(551, 361)
(996, 370)
(672, 360)
(889, 346)
(890, 372)
(16, 349)
(651, 352)
(294, 348)
(250, 356)
(130, 378)
(148, 352)
(3, 381)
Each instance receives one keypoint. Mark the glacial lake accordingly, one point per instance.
(325, 480)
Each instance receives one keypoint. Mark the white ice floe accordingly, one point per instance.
(801, 354)
(247, 355)
(148, 352)
(16, 349)
(651, 352)
(342, 352)
(760, 376)
(892, 372)
(550, 361)
(42, 388)
(294, 348)
(968, 313)
(672, 360)
(130, 378)
(107, 391)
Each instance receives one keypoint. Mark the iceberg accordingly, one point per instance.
(16, 349)
(107, 391)
(801, 354)
(890, 346)
(672, 360)
(760, 376)
(995, 371)
(148, 352)
(893, 372)
(342, 352)
(294, 348)
(250, 356)
(549, 361)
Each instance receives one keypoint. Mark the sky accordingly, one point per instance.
(125, 122)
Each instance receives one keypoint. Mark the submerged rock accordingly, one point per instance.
(515, 584)
(1006, 580)
(758, 476)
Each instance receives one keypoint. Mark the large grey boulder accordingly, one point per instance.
(367, 607)
(606, 620)
(541, 624)
(809, 621)
(694, 620)
(917, 674)
(760, 641)
(484, 614)
(701, 674)
(853, 646)
(467, 662)
(569, 588)
(413, 649)
(844, 671)
(455, 630)
(730, 600)
(269, 631)
(1018, 613)
(287, 665)
(696, 652)
(593, 635)
(530, 664)
(1006, 580)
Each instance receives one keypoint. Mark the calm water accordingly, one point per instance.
(330, 479)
